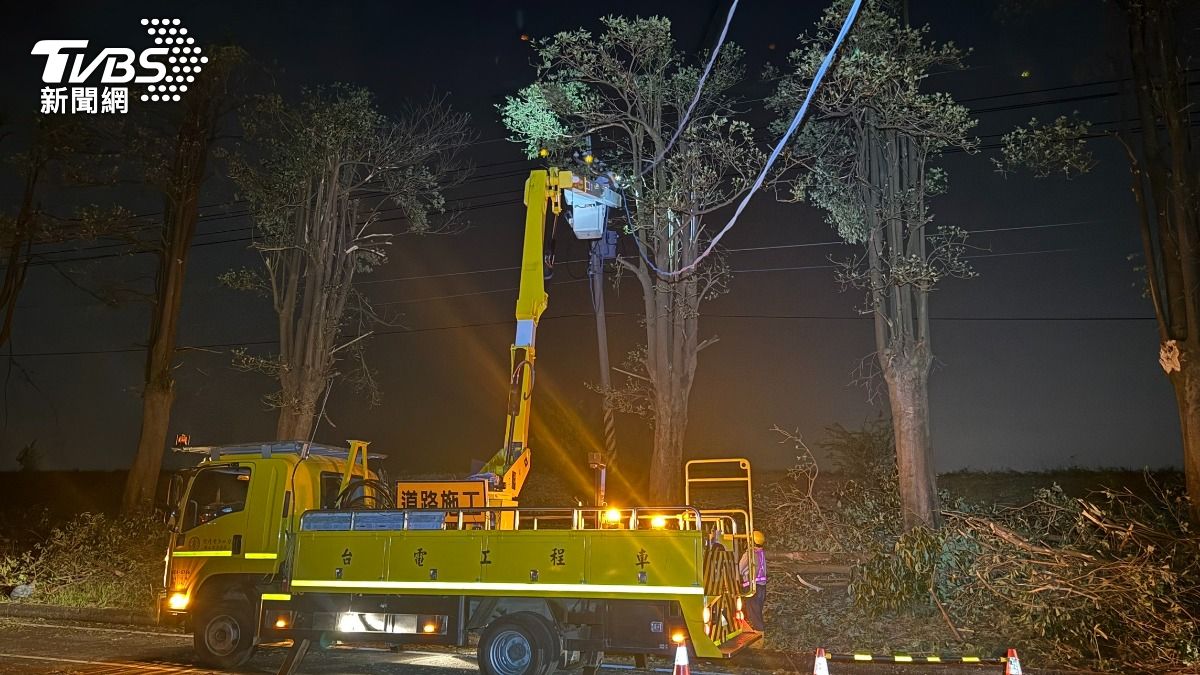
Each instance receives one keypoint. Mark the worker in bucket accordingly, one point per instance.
(754, 562)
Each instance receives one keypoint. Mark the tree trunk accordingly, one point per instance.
(908, 387)
(1166, 188)
(16, 269)
(670, 423)
(159, 390)
(295, 422)
(298, 413)
(181, 212)
(14, 280)
(1186, 382)
(142, 482)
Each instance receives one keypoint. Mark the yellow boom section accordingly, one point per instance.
(543, 192)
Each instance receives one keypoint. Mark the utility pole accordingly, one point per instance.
(603, 249)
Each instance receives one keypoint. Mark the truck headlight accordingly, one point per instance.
(178, 601)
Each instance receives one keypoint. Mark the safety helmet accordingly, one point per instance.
(758, 538)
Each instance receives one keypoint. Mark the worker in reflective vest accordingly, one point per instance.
(754, 604)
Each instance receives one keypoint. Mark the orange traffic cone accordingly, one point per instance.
(1012, 665)
(820, 663)
(681, 661)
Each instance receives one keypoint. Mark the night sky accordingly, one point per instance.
(1048, 359)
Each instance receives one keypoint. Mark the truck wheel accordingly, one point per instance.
(224, 634)
(547, 636)
(514, 645)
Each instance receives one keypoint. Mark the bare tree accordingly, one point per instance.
(174, 154)
(866, 158)
(330, 168)
(625, 90)
(1165, 181)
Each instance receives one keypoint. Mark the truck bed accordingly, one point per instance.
(373, 551)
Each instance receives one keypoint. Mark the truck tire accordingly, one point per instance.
(516, 645)
(549, 638)
(223, 634)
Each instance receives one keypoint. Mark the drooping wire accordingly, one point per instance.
(712, 59)
(800, 116)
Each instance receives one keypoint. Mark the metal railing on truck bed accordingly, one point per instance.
(684, 518)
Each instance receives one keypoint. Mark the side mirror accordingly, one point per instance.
(189, 516)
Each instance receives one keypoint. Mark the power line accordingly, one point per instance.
(801, 268)
(744, 249)
(503, 174)
(1063, 87)
(44, 261)
(490, 291)
(799, 117)
(499, 175)
(711, 315)
(243, 212)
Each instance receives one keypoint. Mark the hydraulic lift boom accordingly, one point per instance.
(544, 192)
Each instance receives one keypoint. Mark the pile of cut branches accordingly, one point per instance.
(1111, 580)
(855, 513)
(93, 560)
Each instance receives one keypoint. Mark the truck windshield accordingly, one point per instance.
(216, 492)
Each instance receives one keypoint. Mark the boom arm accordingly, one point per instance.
(543, 192)
(589, 203)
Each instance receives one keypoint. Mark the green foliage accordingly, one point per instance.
(64, 151)
(324, 171)
(1047, 149)
(876, 85)
(300, 145)
(93, 561)
(335, 136)
(534, 115)
(626, 88)
(245, 279)
(901, 577)
(865, 155)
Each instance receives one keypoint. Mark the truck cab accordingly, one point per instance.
(234, 515)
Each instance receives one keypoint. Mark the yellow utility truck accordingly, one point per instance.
(300, 541)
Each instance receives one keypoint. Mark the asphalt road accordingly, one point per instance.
(38, 647)
(32, 646)
(41, 647)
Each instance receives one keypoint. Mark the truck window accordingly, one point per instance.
(216, 492)
(330, 482)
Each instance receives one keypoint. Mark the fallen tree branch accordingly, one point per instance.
(945, 615)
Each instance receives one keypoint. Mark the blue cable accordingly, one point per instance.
(800, 115)
(712, 59)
